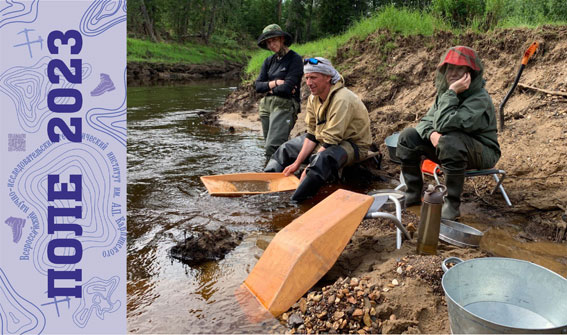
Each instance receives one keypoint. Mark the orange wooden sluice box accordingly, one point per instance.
(249, 183)
(302, 252)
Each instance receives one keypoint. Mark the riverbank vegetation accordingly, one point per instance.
(457, 16)
(209, 31)
(186, 53)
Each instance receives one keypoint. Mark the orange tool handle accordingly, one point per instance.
(529, 53)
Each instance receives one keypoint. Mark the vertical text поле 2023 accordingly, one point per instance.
(72, 42)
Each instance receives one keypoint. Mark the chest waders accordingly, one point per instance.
(278, 116)
(321, 165)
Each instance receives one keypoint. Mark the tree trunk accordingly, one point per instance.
(211, 26)
(309, 20)
(280, 12)
(148, 24)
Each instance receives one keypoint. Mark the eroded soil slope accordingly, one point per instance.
(394, 76)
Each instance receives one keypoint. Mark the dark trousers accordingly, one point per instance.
(321, 166)
(456, 151)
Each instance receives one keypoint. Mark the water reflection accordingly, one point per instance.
(169, 148)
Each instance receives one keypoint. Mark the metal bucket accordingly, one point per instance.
(392, 143)
(504, 295)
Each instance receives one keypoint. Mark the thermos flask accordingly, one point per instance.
(430, 220)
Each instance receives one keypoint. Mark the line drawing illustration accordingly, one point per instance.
(56, 303)
(97, 298)
(17, 314)
(110, 121)
(29, 43)
(101, 16)
(15, 11)
(17, 225)
(27, 87)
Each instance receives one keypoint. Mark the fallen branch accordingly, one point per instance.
(542, 90)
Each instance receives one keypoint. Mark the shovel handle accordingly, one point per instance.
(529, 53)
(455, 260)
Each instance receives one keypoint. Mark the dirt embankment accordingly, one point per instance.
(144, 73)
(394, 76)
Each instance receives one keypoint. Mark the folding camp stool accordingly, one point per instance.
(431, 168)
(374, 213)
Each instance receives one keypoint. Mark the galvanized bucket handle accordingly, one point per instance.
(455, 260)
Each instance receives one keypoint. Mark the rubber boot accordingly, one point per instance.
(414, 182)
(308, 187)
(265, 120)
(454, 182)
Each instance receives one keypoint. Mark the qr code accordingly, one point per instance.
(16, 142)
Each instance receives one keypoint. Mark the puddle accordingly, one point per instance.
(503, 237)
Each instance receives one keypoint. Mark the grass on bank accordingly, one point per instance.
(189, 53)
(401, 21)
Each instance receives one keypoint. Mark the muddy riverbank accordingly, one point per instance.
(145, 73)
(397, 86)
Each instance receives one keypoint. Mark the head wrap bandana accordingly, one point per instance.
(324, 67)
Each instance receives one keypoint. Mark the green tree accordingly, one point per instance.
(296, 17)
(460, 13)
(336, 15)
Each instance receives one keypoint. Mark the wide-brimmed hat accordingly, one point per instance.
(273, 30)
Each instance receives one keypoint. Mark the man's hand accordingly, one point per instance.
(291, 168)
(462, 84)
(434, 138)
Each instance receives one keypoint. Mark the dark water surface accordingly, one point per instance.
(169, 148)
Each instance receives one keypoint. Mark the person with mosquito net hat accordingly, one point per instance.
(458, 132)
(338, 131)
(280, 78)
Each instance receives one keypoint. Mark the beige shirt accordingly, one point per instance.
(340, 119)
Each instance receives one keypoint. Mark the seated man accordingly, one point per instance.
(338, 131)
(459, 130)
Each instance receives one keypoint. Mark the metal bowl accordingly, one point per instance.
(459, 234)
(389, 205)
(392, 143)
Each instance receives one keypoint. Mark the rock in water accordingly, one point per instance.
(206, 246)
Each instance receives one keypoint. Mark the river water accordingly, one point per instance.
(169, 148)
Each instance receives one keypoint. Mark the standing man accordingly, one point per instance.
(459, 130)
(280, 77)
(338, 131)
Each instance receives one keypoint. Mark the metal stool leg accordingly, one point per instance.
(397, 221)
(501, 187)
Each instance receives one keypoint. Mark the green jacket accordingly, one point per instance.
(471, 111)
(340, 120)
